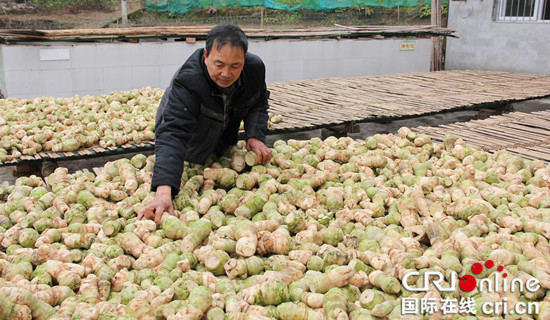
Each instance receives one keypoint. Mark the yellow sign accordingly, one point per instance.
(408, 45)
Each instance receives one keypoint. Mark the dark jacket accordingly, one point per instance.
(193, 122)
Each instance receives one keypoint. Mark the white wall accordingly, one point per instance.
(66, 69)
(484, 44)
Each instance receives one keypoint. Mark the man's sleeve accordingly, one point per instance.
(255, 121)
(172, 134)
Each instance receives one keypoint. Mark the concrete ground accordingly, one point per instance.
(366, 129)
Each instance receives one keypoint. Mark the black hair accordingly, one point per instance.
(224, 34)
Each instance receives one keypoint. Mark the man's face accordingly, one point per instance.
(224, 64)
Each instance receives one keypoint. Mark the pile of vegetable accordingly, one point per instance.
(328, 230)
(29, 126)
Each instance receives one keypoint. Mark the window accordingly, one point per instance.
(523, 10)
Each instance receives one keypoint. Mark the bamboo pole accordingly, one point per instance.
(262, 18)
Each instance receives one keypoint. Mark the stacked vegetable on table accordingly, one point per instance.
(328, 230)
(50, 124)
(29, 126)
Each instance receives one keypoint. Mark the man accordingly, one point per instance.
(201, 111)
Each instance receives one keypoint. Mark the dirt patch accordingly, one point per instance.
(17, 23)
(74, 15)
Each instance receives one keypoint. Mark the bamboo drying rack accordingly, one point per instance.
(318, 103)
(200, 32)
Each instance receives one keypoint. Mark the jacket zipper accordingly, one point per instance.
(225, 102)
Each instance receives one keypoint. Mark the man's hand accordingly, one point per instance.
(260, 149)
(161, 204)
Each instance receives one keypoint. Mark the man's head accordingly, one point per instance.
(224, 54)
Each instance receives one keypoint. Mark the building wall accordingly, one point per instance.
(485, 44)
(66, 69)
